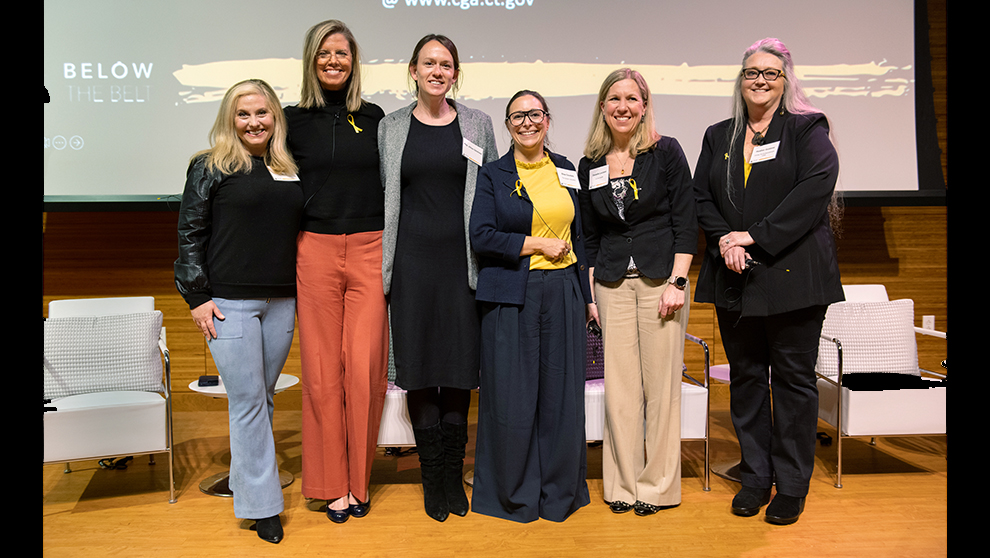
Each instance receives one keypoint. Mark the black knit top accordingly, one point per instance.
(237, 234)
(337, 154)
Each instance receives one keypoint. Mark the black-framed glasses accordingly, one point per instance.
(770, 74)
(535, 116)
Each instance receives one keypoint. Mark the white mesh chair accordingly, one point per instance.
(870, 334)
(695, 403)
(106, 392)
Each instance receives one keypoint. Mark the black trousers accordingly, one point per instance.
(531, 453)
(775, 415)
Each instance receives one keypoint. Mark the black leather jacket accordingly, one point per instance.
(237, 234)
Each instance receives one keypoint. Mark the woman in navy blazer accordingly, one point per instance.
(765, 184)
(530, 459)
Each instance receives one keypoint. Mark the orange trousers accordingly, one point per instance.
(343, 339)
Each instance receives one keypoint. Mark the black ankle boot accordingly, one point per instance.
(429, 445)
(270, 529)
(455, 438)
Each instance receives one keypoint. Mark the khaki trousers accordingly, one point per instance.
(644, 357)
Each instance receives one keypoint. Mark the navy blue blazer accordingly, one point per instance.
(500, 222)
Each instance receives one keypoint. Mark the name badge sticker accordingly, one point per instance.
(473, 152)
(568, 179)
(598, 177)
(764, 152)
(283, 177)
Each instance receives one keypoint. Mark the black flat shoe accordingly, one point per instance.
(642, 508)
(748, 501)
(338, 516)
(359, 509)
(784, 509)
(619, 506)
(269, 529)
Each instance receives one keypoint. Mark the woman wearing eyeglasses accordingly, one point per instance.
(765, 184)
(530, 458)
(639, 220)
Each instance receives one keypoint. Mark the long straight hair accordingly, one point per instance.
(793, 100)
(600, 142)
(312, 92)
(227, 153)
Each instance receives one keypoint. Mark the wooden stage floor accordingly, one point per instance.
(894, 503)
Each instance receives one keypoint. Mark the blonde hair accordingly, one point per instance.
(312, 92)
(600, 140)
(227, 154)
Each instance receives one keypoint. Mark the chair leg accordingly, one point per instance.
(67, 470)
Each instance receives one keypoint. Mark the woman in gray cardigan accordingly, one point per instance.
(430, 155)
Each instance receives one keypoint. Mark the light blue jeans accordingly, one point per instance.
(251, 347)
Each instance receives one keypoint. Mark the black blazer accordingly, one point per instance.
(661, 223)
(784, 206)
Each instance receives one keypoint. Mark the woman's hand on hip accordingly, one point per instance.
(203, 316)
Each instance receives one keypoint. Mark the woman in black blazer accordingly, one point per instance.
(530, 460)
(641, 231)
(765, 184)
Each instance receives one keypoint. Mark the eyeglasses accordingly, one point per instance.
(323, 56)
(770, 74)
(535, 116)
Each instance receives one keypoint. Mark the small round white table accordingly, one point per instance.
(217, 485)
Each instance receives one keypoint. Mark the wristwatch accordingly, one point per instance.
(678, 282)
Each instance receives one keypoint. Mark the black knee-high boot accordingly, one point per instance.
(454, 441)
(429, 445)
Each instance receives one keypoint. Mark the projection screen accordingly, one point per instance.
(135, 86)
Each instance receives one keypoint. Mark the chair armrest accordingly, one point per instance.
(701, 342)
(167, 376)
(838, 347)
(931, 332)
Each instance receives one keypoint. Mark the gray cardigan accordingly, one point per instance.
(476, 127)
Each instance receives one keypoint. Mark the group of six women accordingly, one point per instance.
(368, 225)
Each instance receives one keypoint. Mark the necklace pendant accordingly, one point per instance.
(757, 138)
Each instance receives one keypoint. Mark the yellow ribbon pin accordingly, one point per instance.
(518, 189)
(632, 183)
(350, 120)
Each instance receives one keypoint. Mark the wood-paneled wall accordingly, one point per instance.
(131, 254)
(96, 254)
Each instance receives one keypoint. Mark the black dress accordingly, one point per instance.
(435, 319)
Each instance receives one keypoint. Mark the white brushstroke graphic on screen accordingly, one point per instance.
(208, 82)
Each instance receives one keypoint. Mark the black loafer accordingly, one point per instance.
(619, 506)
(338, 516)
(359, 509)
(784, 509)
(642, 508)
(748, 501)
(269, 529)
